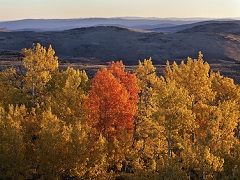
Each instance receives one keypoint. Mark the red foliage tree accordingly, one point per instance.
(112, 102)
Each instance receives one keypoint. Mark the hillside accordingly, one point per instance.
(215, 27)
(98, 45)
(209, 25)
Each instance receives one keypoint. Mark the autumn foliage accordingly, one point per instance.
(112, 102)
(58, 124)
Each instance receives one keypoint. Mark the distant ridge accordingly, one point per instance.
(64, 24)
(228, 26)
(182, 27)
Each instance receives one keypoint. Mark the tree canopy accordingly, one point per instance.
(58, 124)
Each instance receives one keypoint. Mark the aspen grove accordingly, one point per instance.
(58, 124)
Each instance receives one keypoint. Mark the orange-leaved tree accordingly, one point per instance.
(112, 102)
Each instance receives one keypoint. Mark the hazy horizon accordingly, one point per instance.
(125, 17)
(130, 18)
(45, 9)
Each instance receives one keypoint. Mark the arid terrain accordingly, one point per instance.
(92, 47)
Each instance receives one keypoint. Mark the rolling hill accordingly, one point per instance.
(219, 42)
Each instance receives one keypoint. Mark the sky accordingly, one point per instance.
(64, 9)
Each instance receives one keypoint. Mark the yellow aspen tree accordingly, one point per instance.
(88, 155)
(225, 88)
(222, 127)
(67, 150)
(194, 76)
(52, 148)
(199, 162)
(175, 115)
(233, 169)
(149, 142)
(222, 132)
(39, 64)
(214, 101)
(30, 123)
(68, 89)
(12, 87)
(13, 162)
